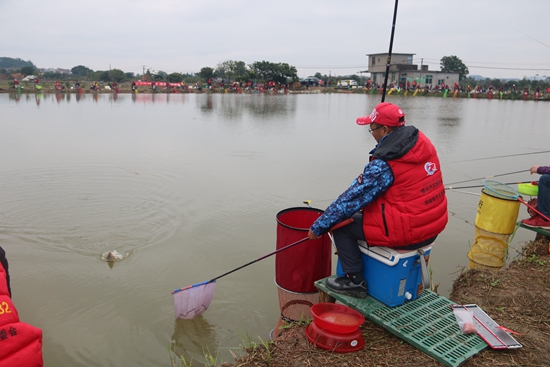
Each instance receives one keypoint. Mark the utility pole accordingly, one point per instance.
(143, 70)
(420, 81)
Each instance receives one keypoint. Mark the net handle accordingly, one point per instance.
(534, 209)
(341, 224)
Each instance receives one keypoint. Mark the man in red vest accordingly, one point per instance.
(20, 343)
(4, 265)
(397, 201)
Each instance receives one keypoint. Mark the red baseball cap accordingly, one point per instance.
(384, 113)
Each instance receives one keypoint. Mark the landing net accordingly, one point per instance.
(500, 190)
(193, 300)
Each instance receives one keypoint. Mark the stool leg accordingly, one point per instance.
(325, 297)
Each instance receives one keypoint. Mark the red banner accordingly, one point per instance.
(158, 84)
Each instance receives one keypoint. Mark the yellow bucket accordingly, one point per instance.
(496, 215)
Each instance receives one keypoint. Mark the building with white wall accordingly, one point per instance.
(403, 70)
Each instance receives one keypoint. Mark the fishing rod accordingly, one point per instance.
(389, 53)
(534, 39)
(500, 156)
(474, 186)
(486, 177)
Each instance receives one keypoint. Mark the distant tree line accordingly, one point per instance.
(507, 84)
(239, 71)
(229, 71)
(455, 64)
(11, 63)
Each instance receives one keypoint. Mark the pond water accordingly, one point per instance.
(187, 186)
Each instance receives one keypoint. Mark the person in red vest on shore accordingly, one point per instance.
(20, 343)
(398, 200)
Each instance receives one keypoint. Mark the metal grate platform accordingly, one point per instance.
(428, 323)
(545, 232)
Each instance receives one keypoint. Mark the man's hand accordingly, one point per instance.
(534, 169)
(312, 236)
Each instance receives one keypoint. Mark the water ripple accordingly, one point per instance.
(88, 210)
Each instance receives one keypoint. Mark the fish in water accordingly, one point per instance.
(112, 256)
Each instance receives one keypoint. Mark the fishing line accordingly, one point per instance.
(474, 186)
(465, 192)
(453, 214)
(486, 177)
(500, 156)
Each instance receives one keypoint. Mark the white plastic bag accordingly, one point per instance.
(465, 320)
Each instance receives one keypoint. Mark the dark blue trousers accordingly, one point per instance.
(347, 236)
(543, 197)
(346, 243)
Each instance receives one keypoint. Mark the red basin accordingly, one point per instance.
(336, 318)
(336, 342)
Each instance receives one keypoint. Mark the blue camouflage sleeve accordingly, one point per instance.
(376, 178)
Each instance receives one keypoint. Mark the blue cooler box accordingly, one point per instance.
(393, 276)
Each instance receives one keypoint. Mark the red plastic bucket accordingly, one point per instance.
(297, 268)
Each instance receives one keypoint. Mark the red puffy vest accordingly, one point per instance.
(414, 208)
(20, 343)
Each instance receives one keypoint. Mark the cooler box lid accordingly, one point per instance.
(388, 255)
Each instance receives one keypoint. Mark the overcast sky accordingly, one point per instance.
(498, 38)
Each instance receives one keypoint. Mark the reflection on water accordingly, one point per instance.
(225, 105)
(188, 339)
(15, 96)
(187, 186)
(256, 105)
